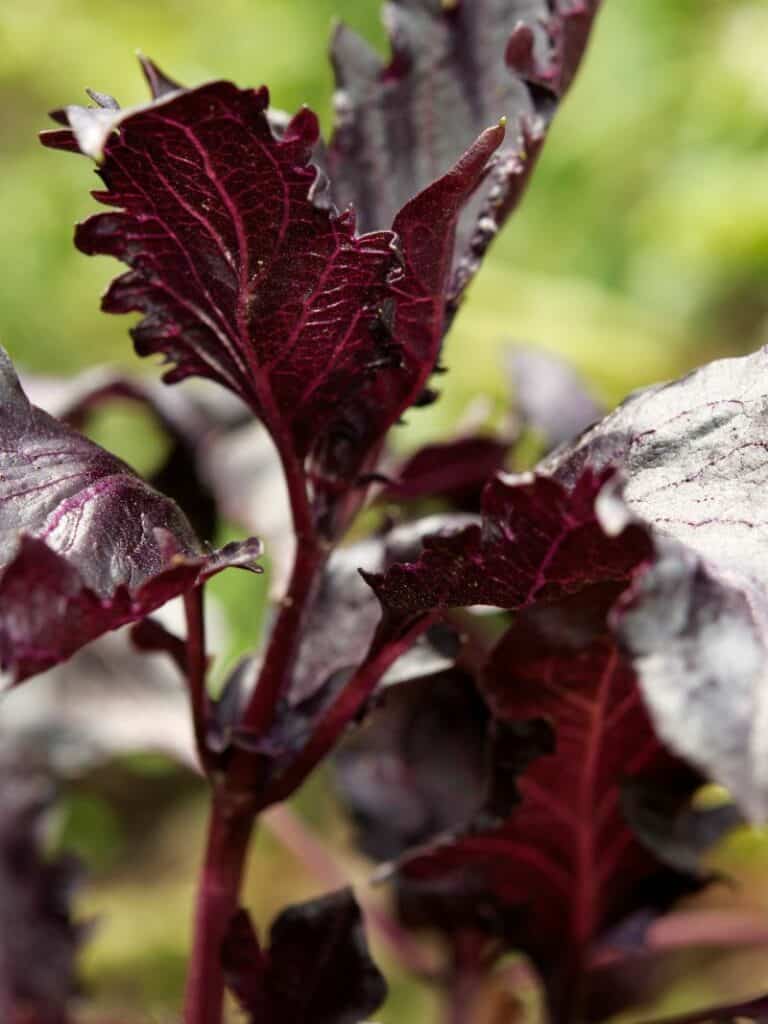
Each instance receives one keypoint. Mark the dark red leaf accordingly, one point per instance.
(417, 765)
(690, 463)
(455, 68)
(565, 859)
(691, 456)
(48, 610)
(316, 970)
(538, 541)
(185, 416)
(245, 274)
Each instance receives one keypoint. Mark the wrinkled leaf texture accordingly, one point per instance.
(690, 459)
(85, 544)
(454, 68)
(686, 502)
(564, 863)
(693, 458)
(539, 540)
(185, 417)
(246, 274)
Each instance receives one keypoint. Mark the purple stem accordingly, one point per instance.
(234, 811)
(466, 978)
(383, 652)
(284, 639)
(229, 832)
(196, 666)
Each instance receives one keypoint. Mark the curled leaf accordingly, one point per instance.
(85, 544)
(454, 68)
(316, 969)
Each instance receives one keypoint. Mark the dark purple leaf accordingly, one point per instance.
(417, 765)
(691, 464)
(38, 938)
(564, 859)
(316, 970)
(692, 458)
(245, 275)
(48, 610)
(538, 541)
(186, 417)
(455, 68)
(85, 544)
(425, 762)
(159, 83)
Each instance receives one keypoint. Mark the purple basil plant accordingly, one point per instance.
(521, 695)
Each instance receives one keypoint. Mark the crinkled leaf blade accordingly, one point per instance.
(538, 541)
(564, 860)
(453, 69)
(247, 275)
(692, 460)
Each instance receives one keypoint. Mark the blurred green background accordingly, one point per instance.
(640, 250)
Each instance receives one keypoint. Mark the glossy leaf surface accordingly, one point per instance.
(85, 544)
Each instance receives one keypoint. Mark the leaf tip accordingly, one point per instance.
(159, 83)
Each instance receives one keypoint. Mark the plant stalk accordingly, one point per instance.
(229, 831)
(467, 974)
(383, 652)
(196, 667)
(284, 639)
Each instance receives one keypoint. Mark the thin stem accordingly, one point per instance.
(229, 832)
(196, 666)
(382, 654)
(466, 978)
(284, 640)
